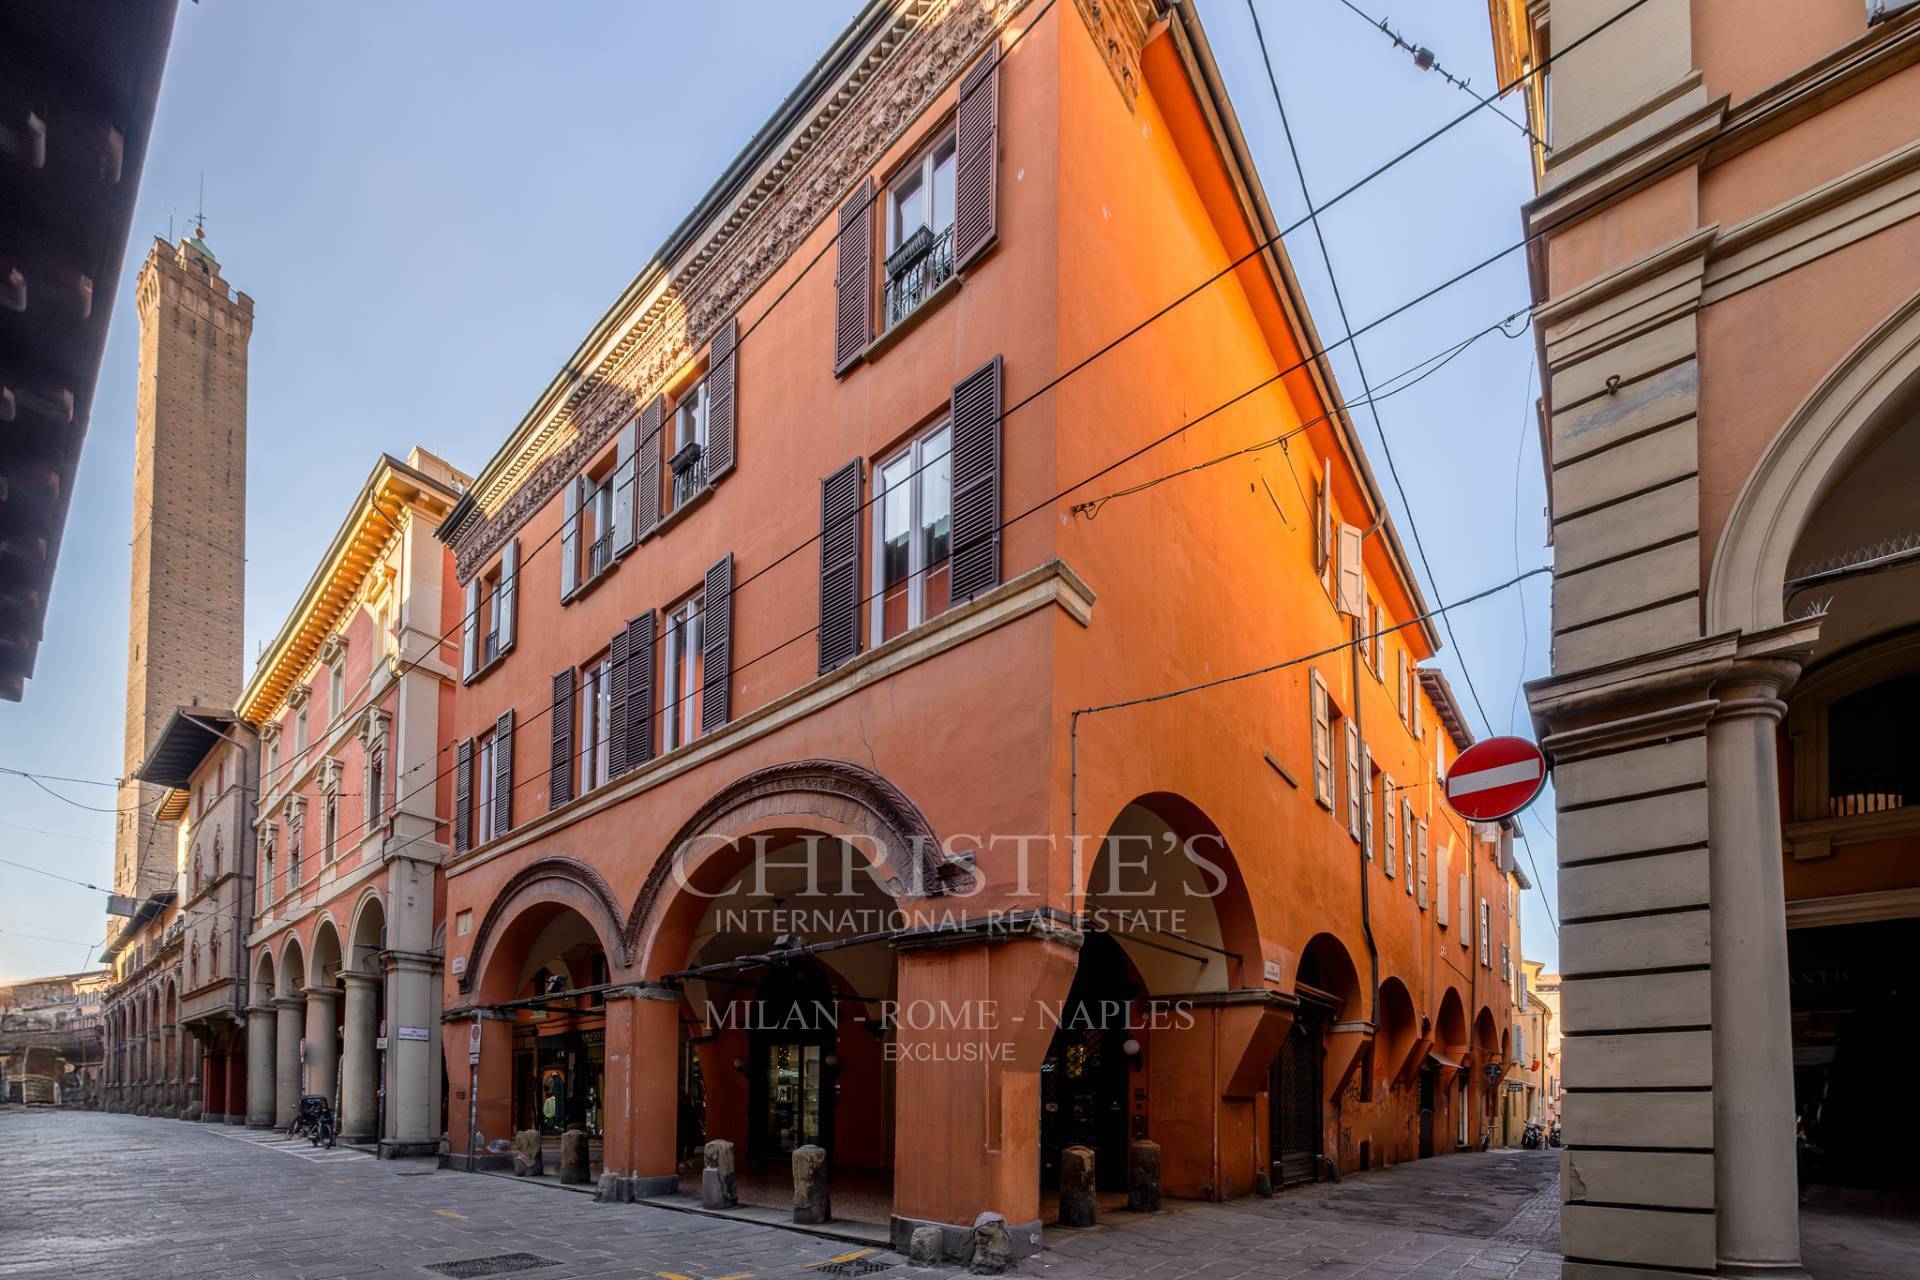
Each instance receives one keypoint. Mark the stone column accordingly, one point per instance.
(290, 1027)
(643, 1089)
(260, 1063)
(1756, 1181)
(359, 1073)
(323, 1042)
(169, 1072)
(413, 1057)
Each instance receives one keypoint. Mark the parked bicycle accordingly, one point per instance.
(314, 1119)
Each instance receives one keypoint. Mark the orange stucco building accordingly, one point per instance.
(791, 803)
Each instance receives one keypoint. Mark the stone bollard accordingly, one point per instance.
(1143, 1177)
(1078, 1207)
(576, 1158)
(613, 1188)
(812, 1198)
(992, 1245)
(718, 1189)
(528, 1160)
(924, 1246)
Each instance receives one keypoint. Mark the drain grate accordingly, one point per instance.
(499, 1265)
(853, 1267)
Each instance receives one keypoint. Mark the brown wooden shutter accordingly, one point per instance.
(570, 539)
(617, 704)
(975, 468)
(853, 280)
(640, 690)
(976, 174)
(462, 800)
(646, 484)
(503, 774)
(840, 566)
(560, 750)
(723, 384)
(716, 646)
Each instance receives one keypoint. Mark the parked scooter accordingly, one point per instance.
(1553, 1135)
(1533, 1136)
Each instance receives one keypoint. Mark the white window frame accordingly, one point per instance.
(916, 453)
(1486, 934)
(596, 708)
(483, 764)
(679, 724)
(690, 415)
(924, 168)
(301, 736)
(336, 689)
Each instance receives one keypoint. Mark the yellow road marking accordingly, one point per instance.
(448, 1213)
(738, 1275)
(672, 1275)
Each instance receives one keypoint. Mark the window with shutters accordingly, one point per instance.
(330, 827)
(1320, 707)
(919, 224)
(913, 533)
(1420, 862)
(593, 520)
(686, 461)
(1466, 901)
(377, 786)
(1373, 644)
(1405, 704)
(1441, 915)
(1390, 823)
(1354, 765)
(300, 730)
(1369, 784)
(596, 723)
(296, 836)
(681, 675)
(336, 688)
(490, 607)
(485, 761)
(1486, 934)
(269, 838)
(1406, 838)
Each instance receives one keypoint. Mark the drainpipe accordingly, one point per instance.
(1357, 630)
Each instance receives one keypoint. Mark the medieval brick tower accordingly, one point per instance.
(184, 642)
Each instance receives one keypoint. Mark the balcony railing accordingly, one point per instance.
(490, 648)
(915, 270)
(689, 472)
(600, 554)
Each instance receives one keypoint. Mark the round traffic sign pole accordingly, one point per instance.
(1495, 779)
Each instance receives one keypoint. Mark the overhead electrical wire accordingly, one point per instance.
(1258, 249)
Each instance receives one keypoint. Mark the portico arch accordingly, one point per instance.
(1182, 958)
(1851, 409)
(525, 905)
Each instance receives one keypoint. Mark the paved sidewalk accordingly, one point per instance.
(103, 1196)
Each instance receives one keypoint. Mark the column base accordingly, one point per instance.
(393, 1149)
(236, 1119)
(956, 1243)
(615, 1189)
(1627, 1271)
(260, 1124)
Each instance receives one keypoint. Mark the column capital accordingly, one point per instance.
(644, 991)
(322, 993)
(354, 977)
(289, 1001)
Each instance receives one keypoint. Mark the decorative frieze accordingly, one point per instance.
(929, 45)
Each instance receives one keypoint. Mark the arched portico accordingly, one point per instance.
(1820, 533)
(539, 980)
(1173, 952)
(363, 1009)
(290, 1028)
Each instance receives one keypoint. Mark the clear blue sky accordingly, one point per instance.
(432, 202)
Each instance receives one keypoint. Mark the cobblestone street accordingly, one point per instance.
(96, 1195)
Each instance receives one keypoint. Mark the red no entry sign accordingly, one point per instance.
(1496, 778)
